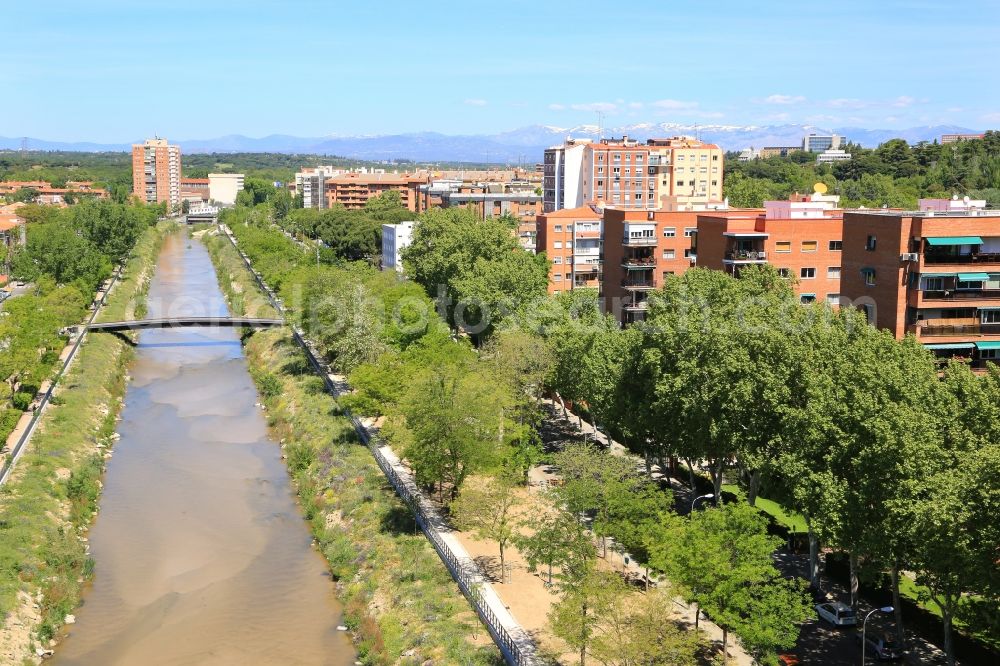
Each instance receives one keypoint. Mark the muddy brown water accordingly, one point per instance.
(201, 554)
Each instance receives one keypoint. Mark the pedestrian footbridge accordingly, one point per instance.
(186, 322)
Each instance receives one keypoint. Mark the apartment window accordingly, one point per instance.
(704, 170)
(833, 299)
(989, 354)
(669, 232)
(557, 244)
(933, 284)
(680, 183)
(680, 158)
(689, 231)
(691, 183)
(617, 157)
(870, 243)
(833, 273)
(807, 298)
(989, 317)
(600, 183)
(600, 169)
(638, 158)
(783, 246)
(869, 310)
(617, 171)
(557, 277)
(809, 246)
(569, 276)
(704, 157)
(687, 253)
(807, 273)
(715, 158)
(600, 157)
(669, 254)
(869, 275)
(836, 245)
(638, 196)
(783, 272)
(628, 171)
(714, 183)
(558, 228)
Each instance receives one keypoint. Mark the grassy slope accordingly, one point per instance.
(398, 596)
(52, 494)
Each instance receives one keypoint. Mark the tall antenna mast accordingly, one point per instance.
(600, 126)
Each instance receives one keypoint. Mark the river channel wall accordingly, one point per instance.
(50, 496)
(400, 603)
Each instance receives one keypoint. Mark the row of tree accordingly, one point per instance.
(456, 412)
(68, 253)
(895, 174)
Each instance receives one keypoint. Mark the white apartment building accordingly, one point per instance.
(311, 184)
(223, 187)
(395, 238)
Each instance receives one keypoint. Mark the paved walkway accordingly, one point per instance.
(735, 651)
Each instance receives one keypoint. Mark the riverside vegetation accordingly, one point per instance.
(51, 496)
(801, 404)
(400, 603)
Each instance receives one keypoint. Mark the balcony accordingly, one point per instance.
(587, 233)
(636, 306)
(638, 285)
(639, 241)
(748, 256)
(639, 263)
(955, 327)
(963, 295)
(937, 259)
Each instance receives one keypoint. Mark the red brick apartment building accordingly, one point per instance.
(571, 240)
(641, 247)
(801, 238)
(156, 172)
(353, 190)
(932, 273)
(194, 189)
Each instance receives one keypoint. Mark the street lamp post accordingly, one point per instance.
(697, 499)
(864, 647)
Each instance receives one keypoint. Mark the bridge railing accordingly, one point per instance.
(467, 574)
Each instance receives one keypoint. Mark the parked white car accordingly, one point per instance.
(837, 613)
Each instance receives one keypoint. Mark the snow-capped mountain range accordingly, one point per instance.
(522, 145)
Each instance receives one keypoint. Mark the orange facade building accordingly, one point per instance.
(931, 273)
(571, 240)
(156, 172)
(801, 238)
(640, 249)
(672, 173)
(353, 190)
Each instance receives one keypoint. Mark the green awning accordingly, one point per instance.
(991, 344)
(973, 277)
(927, 275)
(988, 307)
(955, 240)
(950, 345)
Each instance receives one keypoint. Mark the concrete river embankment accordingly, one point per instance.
(201, 553)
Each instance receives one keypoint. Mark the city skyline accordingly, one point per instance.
(189, 70)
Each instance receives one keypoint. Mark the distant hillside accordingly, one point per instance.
(520, 145)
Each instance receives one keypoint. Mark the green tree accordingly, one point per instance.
(557, 540)
(578, 614)
(636, 630)
(488, 509)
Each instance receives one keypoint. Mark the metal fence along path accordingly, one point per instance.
(516, 645)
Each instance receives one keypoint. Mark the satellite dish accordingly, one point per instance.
(820, 188)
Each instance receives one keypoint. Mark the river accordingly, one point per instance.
(201, 553)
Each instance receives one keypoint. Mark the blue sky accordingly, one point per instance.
(117, 70)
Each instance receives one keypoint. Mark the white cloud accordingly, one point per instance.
(848, 103)
(784, 99)
(475, 102)
(635, 105)
(557, 107)
(903, 101)
(673, 104)
(603, 107)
